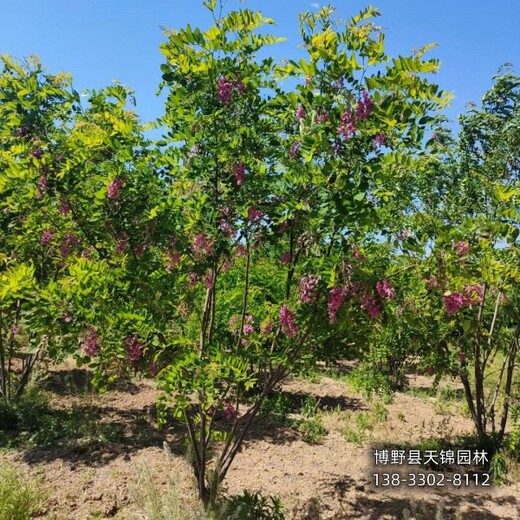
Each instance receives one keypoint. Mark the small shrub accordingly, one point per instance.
(254, 506)
(20, 498)
(276, 407)
(155, 504)
(369, 381)
(499, 468)
(312, 430)
(309, 407)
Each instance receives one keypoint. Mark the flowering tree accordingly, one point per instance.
(469, 226)
(271, 191)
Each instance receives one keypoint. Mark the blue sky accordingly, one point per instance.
(99, 40)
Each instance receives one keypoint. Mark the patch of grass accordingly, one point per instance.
(312, 430)
(21, 498)
(32, 422)
(421, 391)
(179, 501)
(359, 426)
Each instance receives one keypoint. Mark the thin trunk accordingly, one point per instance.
(3, 383)
(479, 379)
(509, 382)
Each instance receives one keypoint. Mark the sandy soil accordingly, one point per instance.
(87, 480)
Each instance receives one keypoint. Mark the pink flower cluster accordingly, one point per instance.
(239, 172)
(229, 411)
(202, 245)
(348, 127)
(134, 348)
(266, 328)
(37, 153)
(234, 325)
(365, 106)
(371, 306)
(294, 150)
(336, 297)
(91, 342)
(461, 247)
(379, 139)
(471, 295)
(115, 188)
(306, 288)
(300, 113)
(255, 215)
(385, 290)
(43, 186)
(68, 242)
(227, 87)
(322, 118)
(287, 320)
(286, 258)
(64, 207)
(47, 236)
(121, 242)
(174, 259)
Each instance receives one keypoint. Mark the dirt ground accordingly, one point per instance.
(330, 480)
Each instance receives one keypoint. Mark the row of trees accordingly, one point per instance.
(270, 227)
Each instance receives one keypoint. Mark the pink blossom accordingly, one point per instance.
(322, 118)
(241, 250)
(365, 106)
(306, 288)
(121, 242)
(47, 236)
(286, 258)
(134, 348)
(87, 252)
(294, 151)
(282, 228)
(379, 139)
(67, 318)
(139, 250)
(348, 128)
(225, 90)
(300, 113)
(227, 265)
(43, 186)
(115, 188)
(68, 242)
(209, 280)
(453, 302)
(202, 245)
(461, 247)
(474, 293)
(193, 278)
(64, 207)
(239, 172)
(227, 228)
(91, 342)
(37, 153)
(248, 328)
(371, 306)
(229, 411)
(174, 259)
(433, 282)
(255, 215)
(266, 328)
(336, 296)
(15, 330)
(385, 290)
(287, 320)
